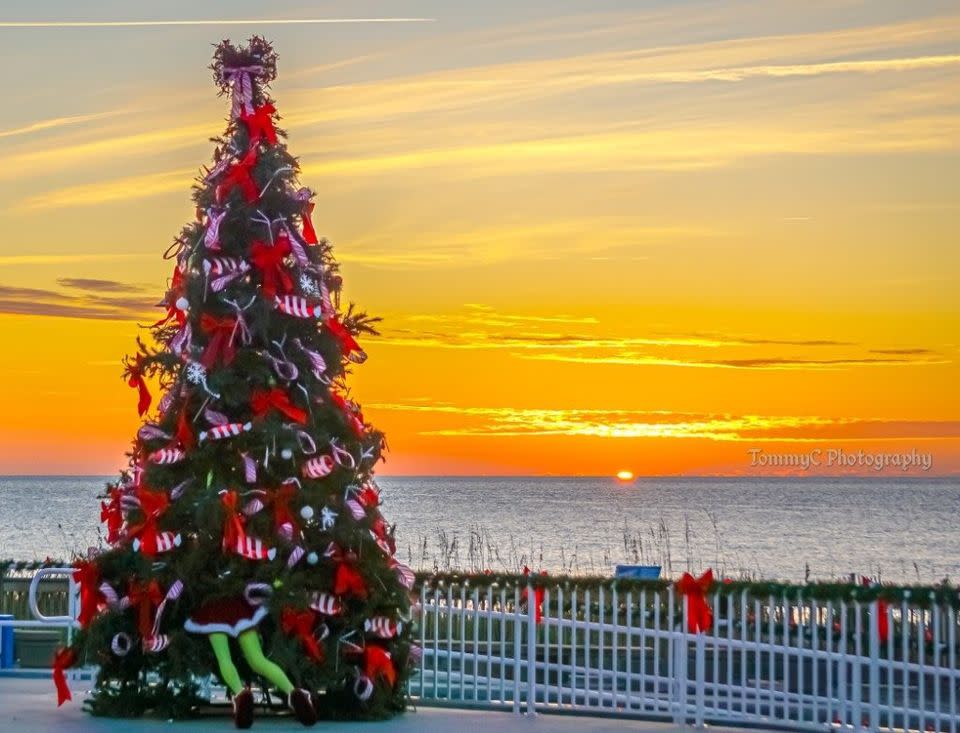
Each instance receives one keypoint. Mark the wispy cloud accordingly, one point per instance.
(518, 422)
(775, 363)
(54, 123)
(118, 189)
(200, 22)
(64, 259)
(45, 302)
(99, 286)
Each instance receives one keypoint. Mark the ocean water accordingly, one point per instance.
(902, 529)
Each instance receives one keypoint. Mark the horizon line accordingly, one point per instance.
(199, 22)
(612, 477)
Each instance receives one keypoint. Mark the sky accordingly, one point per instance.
(656, 236)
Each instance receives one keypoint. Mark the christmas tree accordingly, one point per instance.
(245, 538)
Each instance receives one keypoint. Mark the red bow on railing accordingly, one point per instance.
(269, 260)
(144, 597)
(348, 344)
(347, 581)
(152, 504)
(378, 663)
(63, 660)
(220, 345)
(260, 124)
(233, 529)
(301, 623)
(309, 233)
(262, 401)
(87, 576)
(537, 596)
(699, 614)
(883, 618)
(240, 175)
(135, 379)
(112, 515)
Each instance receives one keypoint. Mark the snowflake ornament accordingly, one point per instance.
(308, 285)
(196, 373)
(327, 518)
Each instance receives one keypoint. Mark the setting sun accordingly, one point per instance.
(625, 475)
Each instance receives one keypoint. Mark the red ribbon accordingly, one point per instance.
(112, 515)
(64, 659)
(537, 596)
(153, 504)
(260, 124)
(301, 623)
(185, 435)
(135, 379)
(699, 613)
(378, 663)
(87, 576)
(883, 620)
(176, 289)
(347, 581)
(348, 344)
(269, 260)
(220, 331)
(280, 500)
(262, 401)
(233, 529)
(309, 233)
(239, 175)
(354, 416)
(144, 597)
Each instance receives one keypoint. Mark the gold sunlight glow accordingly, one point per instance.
(625, 476)
(654, 237)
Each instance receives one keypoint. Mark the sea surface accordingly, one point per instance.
(900, 529)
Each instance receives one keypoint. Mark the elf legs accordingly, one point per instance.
(252, 651)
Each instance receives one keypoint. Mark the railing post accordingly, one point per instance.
(700, 671)
(517, 625)
(531, 651)
(874, 695)
(678, 640)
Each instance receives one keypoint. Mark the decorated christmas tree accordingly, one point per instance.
(245, 539)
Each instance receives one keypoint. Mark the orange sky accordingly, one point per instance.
(600, 238)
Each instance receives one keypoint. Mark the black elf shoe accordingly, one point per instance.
(302, 706)
(243, 708)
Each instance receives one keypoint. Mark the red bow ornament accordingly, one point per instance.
(300, 624)
(377, 662)
(348, 344)
(353, 415)
(87, 576)
(234, 532)
(537, 596)
(699, 613)
(269, 260)
(309, 233)
(135, 379)
(144, 597)
(262, 401)
(240, 175)
(260, 124)
(112, 515)
(152, 504)
(220, 346)
(64, 659)
(173, 300)
(347, 581)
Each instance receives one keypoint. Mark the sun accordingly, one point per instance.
(625, 475)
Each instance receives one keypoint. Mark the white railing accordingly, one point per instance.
(778, 662)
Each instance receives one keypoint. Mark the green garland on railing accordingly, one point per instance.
(8, 566)
(916, 595)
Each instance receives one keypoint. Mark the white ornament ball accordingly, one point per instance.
(307, 512)
(286, 454)
(182, 303)
(313, 558)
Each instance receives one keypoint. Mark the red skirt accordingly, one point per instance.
(230, 616)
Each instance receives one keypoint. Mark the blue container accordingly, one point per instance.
(6, 642)
(638, 572)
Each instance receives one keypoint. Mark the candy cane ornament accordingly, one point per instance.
(253, 548)
(229, 430)
(294, 305)
(166, 456)
(165, 541)
(383, 627)
(327, 604)
(319, 466)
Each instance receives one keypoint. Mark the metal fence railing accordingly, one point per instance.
(793, 663)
